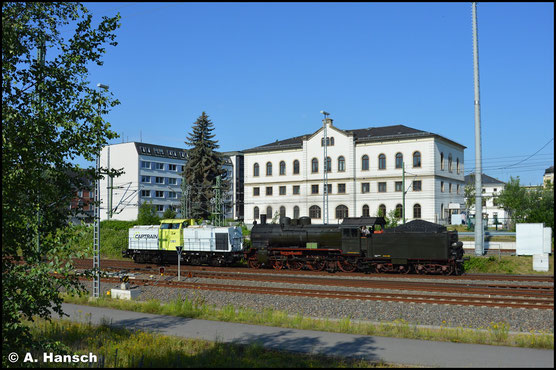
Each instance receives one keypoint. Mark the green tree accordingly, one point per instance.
(169, 213)
(203, 165)
(51, 114)
(515, 200)
(542, 205)
(147, 214)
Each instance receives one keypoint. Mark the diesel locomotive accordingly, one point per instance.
(357, 244)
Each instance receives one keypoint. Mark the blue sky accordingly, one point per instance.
(264, 71)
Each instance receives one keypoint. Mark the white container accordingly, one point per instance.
(540, 262)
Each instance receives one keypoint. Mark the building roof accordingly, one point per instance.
(485, 179)
(549, 170)
(363, 135)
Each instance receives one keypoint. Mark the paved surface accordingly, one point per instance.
(374, 348)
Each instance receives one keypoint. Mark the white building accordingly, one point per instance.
(152, 173)
(365, 172)
(491, 190)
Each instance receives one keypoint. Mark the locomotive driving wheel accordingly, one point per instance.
(346, 265)
(277, 264)
(317, 265)
(254, 263)
(295, 265)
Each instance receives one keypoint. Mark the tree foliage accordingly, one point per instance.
(50, 115)
(147, 214)
(203, 165)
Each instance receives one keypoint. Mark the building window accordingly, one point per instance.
(382, 162)
(172, 194)
(450, 187)
(399, 160)
(382, 210)
(382, 187)
(159, 180)
(256, 169)
(269, 168)
(256, 191)
(295, 190)
(269, 190)
(282, 190)
(457, 165)
(159, 166)
(256, 213)
(417, 211)
(314, 212)
(328, 164)
(457, 189)
(282, 168)
(417, 159)
(365, 187)
(172, 167)
(296, 212)
(314, 165)
(269, 213)
(146, 179)
(342, 212)
(399, 211)
(329, 141)
(314, 189)
(341, 188)
(160, 208)
(398, 186)
(172, 181)
(442, 186)
(442, 161)
(365, 163)
(341, 164)
(365, 211)
(282, 211)
(146, 165)
(159, 194)
(329, 188)
(296, 167)
(145, 193)
(417, 185)
(450, 162)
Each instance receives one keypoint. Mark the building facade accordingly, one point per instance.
(492, 188)
(152, 173)
(366, 170)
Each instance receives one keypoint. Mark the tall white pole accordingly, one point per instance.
(479, 243)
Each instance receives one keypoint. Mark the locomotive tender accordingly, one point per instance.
(419, 246)
(216, 246)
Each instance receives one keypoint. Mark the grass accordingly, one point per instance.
(511, 265)
(495, 334)
(119, 347)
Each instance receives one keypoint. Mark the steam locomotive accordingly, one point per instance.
(357, 244)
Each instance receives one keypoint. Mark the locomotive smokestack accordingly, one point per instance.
(263, 219)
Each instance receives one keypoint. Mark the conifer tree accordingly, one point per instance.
(202, 167)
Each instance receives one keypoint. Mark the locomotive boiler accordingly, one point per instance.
(357, 244)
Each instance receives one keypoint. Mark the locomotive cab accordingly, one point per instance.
(354, 238)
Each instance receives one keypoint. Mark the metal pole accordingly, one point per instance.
(403, 191)
(479, 237)
(96, 236)
(325, 180)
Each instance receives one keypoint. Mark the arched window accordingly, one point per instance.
(341, 211)
(296, 212)
(399, 160)
(269, 168)
(382, 162)
(365, 211)
(282, 168)
(450, 162)
(314, 165)
(341, 164)
(256, 213)
(314, 212)
(417, 159)
(442, 161)
(417, 211)
(269, 213)
(282, 211)
(365, 163)
(399, 211)
(382, 210)
(256, 169)
(457, 165)
(296, 167)
(328, 164)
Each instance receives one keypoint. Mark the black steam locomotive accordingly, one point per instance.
(357, 244)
